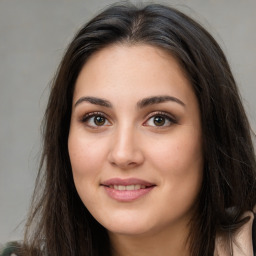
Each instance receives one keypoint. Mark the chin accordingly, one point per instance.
(126, 225)
(128, 230)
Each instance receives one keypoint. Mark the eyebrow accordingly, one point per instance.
(141, 104)
(95, 101)
(158, 99)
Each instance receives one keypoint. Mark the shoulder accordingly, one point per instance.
(243, 241)
(10, 249)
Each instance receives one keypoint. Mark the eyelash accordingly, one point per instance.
(86, 118)
(172, 120)
(166, 116)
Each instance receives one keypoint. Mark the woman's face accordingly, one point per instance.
(135, 140)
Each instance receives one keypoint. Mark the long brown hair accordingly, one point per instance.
(59, 223)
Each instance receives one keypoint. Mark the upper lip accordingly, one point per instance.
(126, 182)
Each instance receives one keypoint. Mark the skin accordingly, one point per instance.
(131, 142)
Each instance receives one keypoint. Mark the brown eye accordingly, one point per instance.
(159, 120)
(95, 120)
(99, 120)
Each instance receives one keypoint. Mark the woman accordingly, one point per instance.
(147, 148)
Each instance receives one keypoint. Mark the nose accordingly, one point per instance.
(126, 151)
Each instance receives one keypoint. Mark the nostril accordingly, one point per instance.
(124, 154)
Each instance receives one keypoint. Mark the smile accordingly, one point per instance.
(126, 190)
(129, 187)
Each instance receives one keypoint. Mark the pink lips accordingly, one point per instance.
(126, 190)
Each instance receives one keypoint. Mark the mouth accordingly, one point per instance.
(126, 190)
(129, 187)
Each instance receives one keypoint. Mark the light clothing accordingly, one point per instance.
(242, 243)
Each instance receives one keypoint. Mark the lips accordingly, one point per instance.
(129, 187)
(126, 182)
(126, 190)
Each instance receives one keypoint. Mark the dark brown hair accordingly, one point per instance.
(59, 223)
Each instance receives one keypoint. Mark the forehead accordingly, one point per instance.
(124, 69)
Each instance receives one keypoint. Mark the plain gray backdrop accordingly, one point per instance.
(33, 37)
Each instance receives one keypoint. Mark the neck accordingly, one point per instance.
(171, 243)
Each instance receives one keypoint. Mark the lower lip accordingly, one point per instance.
(127, 195)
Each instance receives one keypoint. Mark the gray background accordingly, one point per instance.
(33, 36)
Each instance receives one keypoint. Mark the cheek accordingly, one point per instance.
(177, 153)
(181, 165)
(84, 159)
(179, 160)
(84, 154)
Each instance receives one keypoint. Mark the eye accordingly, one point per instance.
(95, 120)
(160, 120)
